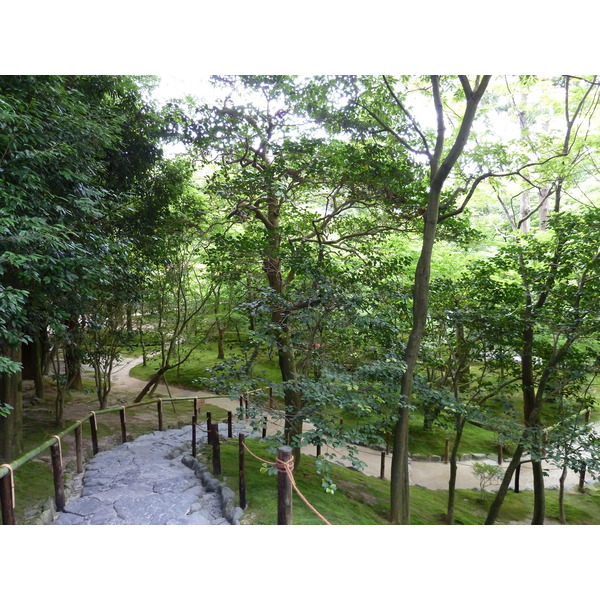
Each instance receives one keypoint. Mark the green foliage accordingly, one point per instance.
(486, 474)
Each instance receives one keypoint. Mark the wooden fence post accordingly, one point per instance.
(7, 498)
(229, 424)
(216, 449)
(196, 408)
(318, 450)
(58, 474)
(270, 397)
(123, 425)
(382, 472)
(160, 414)
(284, 488)
(242, 471)
(194, 423)
(208, 427)
(79, 448)
(94, 431)
(264, 430)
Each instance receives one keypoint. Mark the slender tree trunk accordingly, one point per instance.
(453, 471)
(439, 172)
(11, 427)
(38, 374)
(494, 510)
(561, 496)
(539, 494)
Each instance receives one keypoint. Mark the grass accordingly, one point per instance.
(364, 500)
(359, 499)
(193, 374)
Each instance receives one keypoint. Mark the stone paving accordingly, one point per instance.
(145, 482)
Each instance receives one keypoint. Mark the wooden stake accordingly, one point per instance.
(216, 449)
(208, 427)
(229, 424)
(284, 489)
(242, 471)
(194, 424)
(160, 414)
(58, 475)
(94, 432)
(7, 498)
(79, 449)
(382, 472)
(123, 425)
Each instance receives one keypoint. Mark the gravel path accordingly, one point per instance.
(144, 482)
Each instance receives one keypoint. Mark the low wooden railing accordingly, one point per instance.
(7, 482)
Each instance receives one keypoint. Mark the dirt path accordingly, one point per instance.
(432, 475)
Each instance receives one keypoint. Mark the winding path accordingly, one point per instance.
(429, 474)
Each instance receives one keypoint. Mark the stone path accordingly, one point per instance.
(145, 482)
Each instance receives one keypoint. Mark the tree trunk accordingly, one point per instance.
(11, 427)
(539, 495)
(220, 340)
(439, 171)
(525, 211)
(494, 510)
(38, 373)
(399, 478)
(453, 471)
(561, 496)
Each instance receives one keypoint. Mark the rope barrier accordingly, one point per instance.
(287, 467)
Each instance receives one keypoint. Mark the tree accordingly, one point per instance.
(307, 195)
(62, 142)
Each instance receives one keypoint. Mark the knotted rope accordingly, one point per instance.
(287, 467)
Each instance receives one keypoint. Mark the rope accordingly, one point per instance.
(59, 444)
(12, 482)
(286, 467)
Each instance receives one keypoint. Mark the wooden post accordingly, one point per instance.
(517, 475)
(242, 471)
(58, 475)
(79, 449)
(229, 424)
(382, 472)
(94, 431)
(264, 431)
(196, 408)
(160, 414)
(318, 450)
(284, 488)
(216, 449)
(123, 425)
(208, 427)
(500, 457)
(446, 451)
(7, 498)
(246, 404)
(194, 423)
